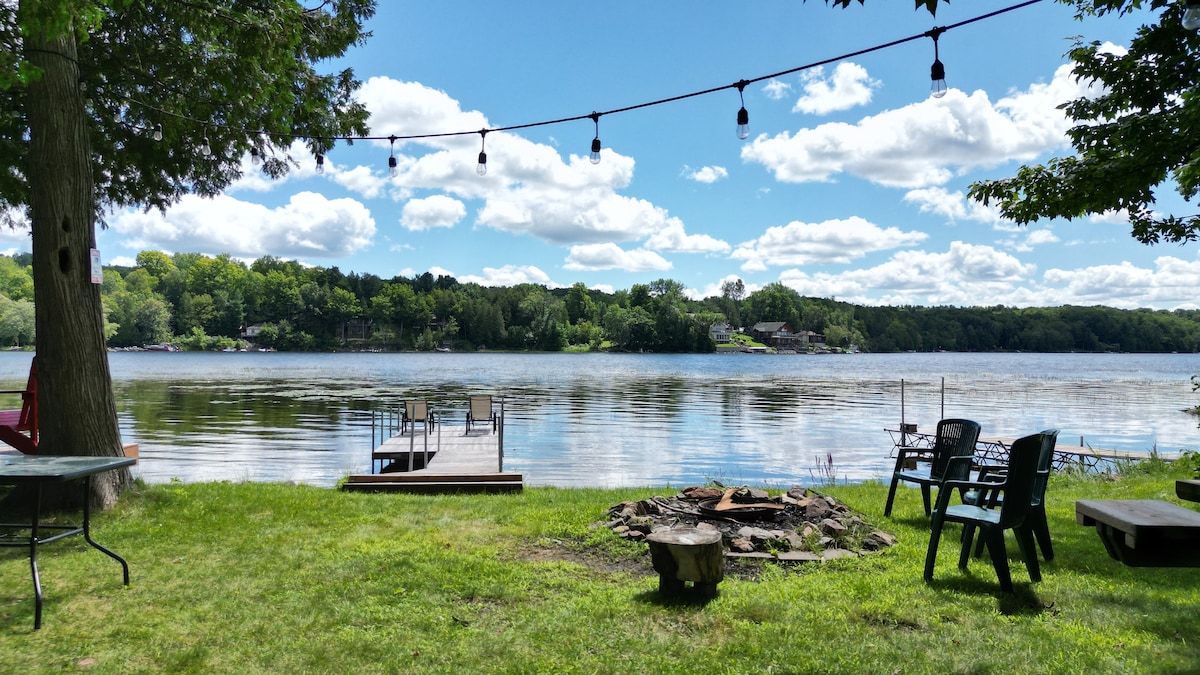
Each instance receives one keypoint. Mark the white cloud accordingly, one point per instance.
(965, 275)
(1172, 283)
(953, 205)
(925, 143)
(430, 212)
(849, 86)
(829, 242)
(776, 89)
(530, 188)
(121, 261)
(714, 289)
(509, 275)
(592, 257)
(308, 225)
(673, 238)
(707, 174)
(20, 233)
(1120, 217)
(976, 276)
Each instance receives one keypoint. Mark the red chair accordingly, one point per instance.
(19, 428)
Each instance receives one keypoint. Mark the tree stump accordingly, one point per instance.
(687, 554)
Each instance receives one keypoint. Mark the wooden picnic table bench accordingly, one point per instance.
(1144, 532)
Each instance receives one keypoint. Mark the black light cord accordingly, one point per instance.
(933, 33)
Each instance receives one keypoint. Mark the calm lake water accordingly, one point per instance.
(612, 420)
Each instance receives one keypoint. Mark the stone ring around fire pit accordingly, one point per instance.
(800, 525)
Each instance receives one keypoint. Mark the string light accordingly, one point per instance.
(205, 150)
(157, 132)
(1191, 15)
(255, 156)
(320, 164)
(594, 157)
(481, 168)
(743, 117)
(937, 72)
(392, 170)
(937, 89)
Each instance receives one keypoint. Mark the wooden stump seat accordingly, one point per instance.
(687, 554)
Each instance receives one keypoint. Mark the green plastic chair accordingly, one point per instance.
(1018, 489)
(1036, 520)
(955, 438)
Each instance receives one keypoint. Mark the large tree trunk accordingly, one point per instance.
(77, 411)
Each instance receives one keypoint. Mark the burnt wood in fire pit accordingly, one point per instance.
(743, 512)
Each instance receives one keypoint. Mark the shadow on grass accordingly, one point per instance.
(688, 597)
(1023, 601)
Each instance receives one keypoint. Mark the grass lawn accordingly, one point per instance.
(234, 578)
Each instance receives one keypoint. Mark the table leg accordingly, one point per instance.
(87, 532)
(33, 549)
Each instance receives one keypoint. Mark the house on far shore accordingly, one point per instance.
(721, 332)
(777, 334)
(812, 339)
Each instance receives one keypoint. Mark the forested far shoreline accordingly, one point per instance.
(202, 302)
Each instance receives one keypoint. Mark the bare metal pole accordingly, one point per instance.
(943, 397)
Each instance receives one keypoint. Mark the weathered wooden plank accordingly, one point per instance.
(423, 477)
(437, 487)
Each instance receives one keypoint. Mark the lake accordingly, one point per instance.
(614, 420)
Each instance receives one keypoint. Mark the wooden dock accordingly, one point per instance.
(1066, 455)
(458, 461)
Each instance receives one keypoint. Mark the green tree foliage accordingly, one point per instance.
(330, 315)
(1129, 140)
(16, 322)
(86, 86)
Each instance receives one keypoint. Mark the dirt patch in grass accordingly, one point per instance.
(631, 562)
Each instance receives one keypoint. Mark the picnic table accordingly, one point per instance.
(1144, 532)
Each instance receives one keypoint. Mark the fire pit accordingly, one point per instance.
(796, 526)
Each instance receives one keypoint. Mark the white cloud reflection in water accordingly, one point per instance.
(616, 420)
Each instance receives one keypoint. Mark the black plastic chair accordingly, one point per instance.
(955, 438)
(1036, 520)
(1018, 489)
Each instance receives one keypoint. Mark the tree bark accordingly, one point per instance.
(77, 409)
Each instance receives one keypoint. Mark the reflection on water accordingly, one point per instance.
(621, 420)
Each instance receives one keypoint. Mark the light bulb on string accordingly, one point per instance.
(481, 167)
(594, 157)
(255, 156)
(743, 117)
(392, 170)
(205, 149)
(320, 164)
(157, 135)
(937, 72)
(1191, 15)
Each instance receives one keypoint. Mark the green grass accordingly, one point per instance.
(278, 578)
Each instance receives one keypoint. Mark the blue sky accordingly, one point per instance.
(852, 183)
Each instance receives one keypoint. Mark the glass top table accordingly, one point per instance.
(37, 471)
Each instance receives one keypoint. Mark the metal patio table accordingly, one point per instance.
(38, 471)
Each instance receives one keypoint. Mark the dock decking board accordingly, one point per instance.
(458, 462)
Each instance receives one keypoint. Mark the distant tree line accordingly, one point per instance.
(203, 302)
